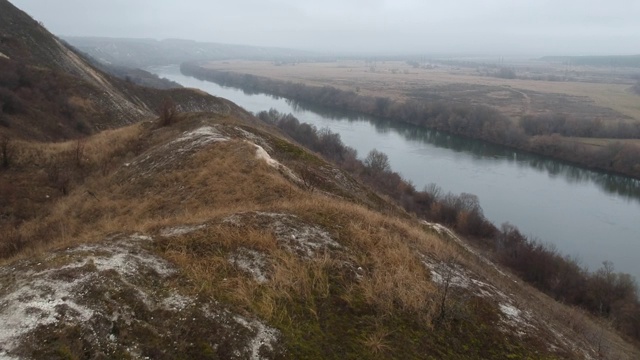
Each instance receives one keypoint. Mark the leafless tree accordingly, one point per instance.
(377, 162)
(79, 152)
(168, 112)
(7, 151)
(450, 303)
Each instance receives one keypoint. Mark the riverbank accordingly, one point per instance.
(588, 214)
(473, 121)
(538, 264)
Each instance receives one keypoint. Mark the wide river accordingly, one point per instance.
(586, 214)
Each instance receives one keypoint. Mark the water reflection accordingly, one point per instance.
(586, 213)
(624, 187)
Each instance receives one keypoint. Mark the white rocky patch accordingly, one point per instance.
(264, 336)
(121, 258)
(516, 318)
(251, 261)
(4, 56)
(190, 141)
(235, 220)
(176, 302)
(198, 138)
(291, 232)
(180, 230)
(262, 154)
(510, 311)
(83, 287)
(299, 237)
(443, 230)
(46, 297)
(452, 274)
(254, 138)
(35, 303)
(113, 96)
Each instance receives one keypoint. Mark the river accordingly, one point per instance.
(589, 215)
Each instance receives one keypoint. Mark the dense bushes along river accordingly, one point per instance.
(480, 122)
(604, 293)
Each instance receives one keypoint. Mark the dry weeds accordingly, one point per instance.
(398, 80)
(378, 263)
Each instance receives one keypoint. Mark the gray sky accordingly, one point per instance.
(531, 27)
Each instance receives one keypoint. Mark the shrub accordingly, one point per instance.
(168, 112)
(7, 151)
(604, 293)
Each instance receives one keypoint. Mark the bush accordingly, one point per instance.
(604, 292)
(168, 112)
(7, 151)
(506, 73)
(377, 162)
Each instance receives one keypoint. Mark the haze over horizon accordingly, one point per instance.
(502, 27)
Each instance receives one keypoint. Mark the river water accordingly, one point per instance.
(589, 215)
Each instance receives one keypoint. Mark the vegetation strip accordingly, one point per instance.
(546, 135)
(605, 293)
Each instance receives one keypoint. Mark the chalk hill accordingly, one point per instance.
(214, 236)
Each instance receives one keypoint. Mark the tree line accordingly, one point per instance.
(547, 135)
(605, 293)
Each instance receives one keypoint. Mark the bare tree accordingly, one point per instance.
(450, 300)
(168, 112)
(306, 175)
(6, 150)
(377, 162)
(79, 152)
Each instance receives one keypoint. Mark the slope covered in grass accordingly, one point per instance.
(220, 223)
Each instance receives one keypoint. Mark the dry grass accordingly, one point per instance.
(106, 193)
(393, 279)
(601, 142)
(96, 150)
(377, 342)
(377, 269)
(399, 80)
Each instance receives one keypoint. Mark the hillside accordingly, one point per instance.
(48, 91)
(206, 233)
(631, 61)
(140, 53)
(216, 238)
(134, 75)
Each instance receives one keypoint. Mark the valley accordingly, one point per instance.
(529, 191)
(147, 214)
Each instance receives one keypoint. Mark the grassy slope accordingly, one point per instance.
(370, 297)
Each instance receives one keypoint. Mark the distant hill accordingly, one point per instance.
(49, 91)
(609, 60)
(133, 75)
(150, 52)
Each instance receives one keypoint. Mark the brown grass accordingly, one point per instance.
(377, 342)
(398, 80)
(378, 267)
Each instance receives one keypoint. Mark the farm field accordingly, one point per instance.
(591, 93)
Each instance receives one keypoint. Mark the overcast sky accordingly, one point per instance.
(526, 27)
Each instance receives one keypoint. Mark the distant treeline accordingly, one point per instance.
(613, 60)
(604, 292)
(541, 134)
